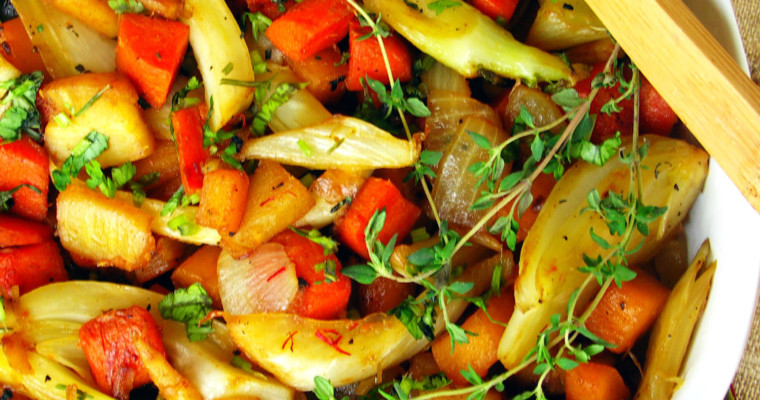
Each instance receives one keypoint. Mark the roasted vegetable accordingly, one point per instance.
(672, 174)
(468, 41)
(563, 24)
(218, 46)
(297, 349)
(52, 316)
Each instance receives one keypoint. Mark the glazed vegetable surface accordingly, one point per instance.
(336, 199)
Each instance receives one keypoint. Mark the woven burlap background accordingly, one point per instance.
(747, 381)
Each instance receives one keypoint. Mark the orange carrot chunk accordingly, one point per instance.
(188, 130)
(499, 10)
(310, 26)
(24, 162)
(625, 313)
(326, 291)
(325, 73)
(223, 199)
(480, 352)
(108, 341)
(18, 49)
(594, 381)
(376, 194)
(20, 232)
(149, 52)
(30, 267)
(366, 60)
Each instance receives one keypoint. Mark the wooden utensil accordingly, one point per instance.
(710, 93)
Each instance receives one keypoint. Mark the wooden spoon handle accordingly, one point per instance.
(697, 77)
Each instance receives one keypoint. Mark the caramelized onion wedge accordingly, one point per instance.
(265, 281)
(296, 349)
(205, 364)
(339, 142)
(672, 175)
(672, 332)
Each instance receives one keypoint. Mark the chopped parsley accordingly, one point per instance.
(189, 306)
(22, 115)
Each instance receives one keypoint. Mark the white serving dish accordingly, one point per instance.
(733, 227)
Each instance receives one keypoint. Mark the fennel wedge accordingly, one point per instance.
(672, 175)
(467, 41)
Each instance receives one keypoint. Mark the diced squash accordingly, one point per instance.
(201, 268)
(130, 138)
(480, 352)
(169, 253)
(94, 13)
(275, 200)
(221, 53)
(99, 231)
(223, 198)
(326, 78)
(163, 161)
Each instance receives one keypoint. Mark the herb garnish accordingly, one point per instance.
(189, 306)
(6, 197)
(21, 114)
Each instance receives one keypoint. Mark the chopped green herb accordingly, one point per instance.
(440, 5)
(228, 68)
(183, 225)
(281, 95)
(189, 306)
(259, 23)
(305, 148)
(126, 6)
(21, 115)
(85, 151)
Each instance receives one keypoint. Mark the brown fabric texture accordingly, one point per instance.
(747, 381)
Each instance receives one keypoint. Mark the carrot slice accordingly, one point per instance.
(499, 10)
(149, 52)
(310, 26)
(18, 49)
(376, 194)
(108, 341)
(625, 313)
(594, 381)
(20, 232)
(324, 295)
(24, 162)
(30, 267)
(367, 60)
(188, 130)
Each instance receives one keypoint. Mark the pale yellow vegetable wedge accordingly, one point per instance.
(103, 232)
(672, 332)
(221, 53)
(297, 349)
(96, 14)
(68, 104)
(67, 46)
(562, 24)
(672, 176)
(205, 364)
(171, 385)
(465, 40)
(339, 142)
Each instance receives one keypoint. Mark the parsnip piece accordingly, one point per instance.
(130, 138)
(205, 364)
(67, 46)
(672, 332)
(296, 349)
(339, 142)
(275, 201)
(558, 26)
(99, 231)
(171, 385)
(672, 175)
(218, 44)
(465, 40)
(94, 13)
